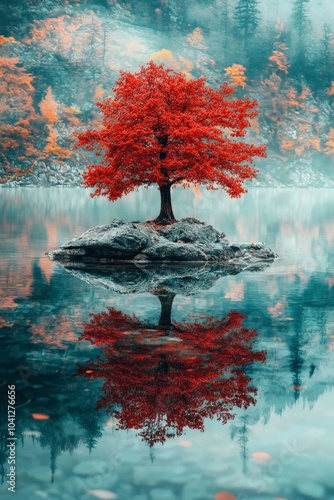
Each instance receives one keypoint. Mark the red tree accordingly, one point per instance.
(162, 129)
(160, 383)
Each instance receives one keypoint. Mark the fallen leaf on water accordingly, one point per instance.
(103, 494)
(261, 455)
(277, 310)
(184, 443)
(40, 416)
(224, 495)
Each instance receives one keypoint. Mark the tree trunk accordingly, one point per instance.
(166, 215)
(166, 302)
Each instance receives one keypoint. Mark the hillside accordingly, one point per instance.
(57, 58)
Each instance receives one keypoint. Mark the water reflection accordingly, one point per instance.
(166, 375)
(162, 379)
(44, 310)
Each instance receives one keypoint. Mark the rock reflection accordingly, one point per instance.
(162, 379)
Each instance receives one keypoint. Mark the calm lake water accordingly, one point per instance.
(236, 396)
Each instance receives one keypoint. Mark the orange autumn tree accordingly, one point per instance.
(329, 149)
(279, 56)
(181, 64)
(54, 34)
(196, 39)
(50, 114)
(287, 108)
(160, 380)
(161, 129)
(236, 73)
(17, 115)
(49, 107)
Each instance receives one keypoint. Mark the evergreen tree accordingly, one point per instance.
(301, 25)
(325, 59)
(300, 19)
(177, 15)
(221, 9)
(247, 18)
(242, 433)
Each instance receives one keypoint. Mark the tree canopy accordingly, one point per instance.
(160, 384)
(247, 17)
(160, 128)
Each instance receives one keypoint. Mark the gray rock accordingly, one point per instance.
(190, 230)
(174, 474)
(24, 493)
(92, 468)
(120, 241)
(311, 489)
(125, 490)
(188, 240)
(177, 252)
(196, 490)
(329, 480)
(162, 494)
(184, 279)
(42, 473)
(76, 252)
(142, 477)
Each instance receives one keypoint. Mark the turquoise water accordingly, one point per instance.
(109, 405)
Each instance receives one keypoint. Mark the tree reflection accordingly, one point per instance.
(160, 380)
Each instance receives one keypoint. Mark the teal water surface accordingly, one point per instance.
(157, 397)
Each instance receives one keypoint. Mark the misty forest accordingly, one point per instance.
(59, 58)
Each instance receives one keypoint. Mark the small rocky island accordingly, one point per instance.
(185, 241)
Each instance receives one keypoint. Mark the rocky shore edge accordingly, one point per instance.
(276, 173)
(185, 241)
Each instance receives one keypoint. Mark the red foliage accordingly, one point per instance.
(159, 381)
(162, 129)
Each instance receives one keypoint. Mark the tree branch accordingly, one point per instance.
(177, 180)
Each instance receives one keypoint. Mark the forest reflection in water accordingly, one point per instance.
(257, 345)
(162, 379)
